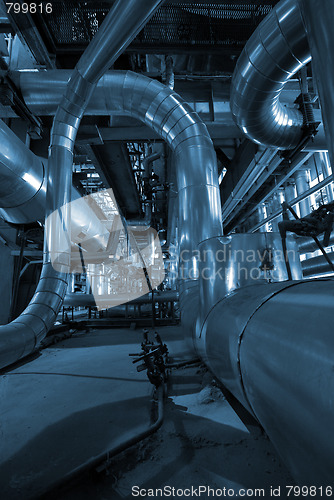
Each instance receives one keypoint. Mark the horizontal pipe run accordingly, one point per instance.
(274, 351)
(42, 92)
(317, 265)
(86, 300)
(308, 245)
(306, 194)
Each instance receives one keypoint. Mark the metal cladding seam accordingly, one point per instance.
(277, 50)
(196, 168)
(120, 26)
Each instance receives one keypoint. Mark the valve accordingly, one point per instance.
(154, 357)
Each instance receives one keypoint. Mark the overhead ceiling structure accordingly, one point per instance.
(206, 122)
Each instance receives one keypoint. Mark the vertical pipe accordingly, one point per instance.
(324, 160)
(318, 17)
(290, 190)
(119, 28)
(262, 215)
(302, 186)
(21, 172)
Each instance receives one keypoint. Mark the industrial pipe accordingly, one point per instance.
(317, 265)
(275, 52)
(195, 164)
(318, 17)
(307, 245)
(87, 299)
(25, 173)
(274, 352)
(42, 92)
(256, 351)
(118, 30)
(292, 202)
(302, 186)
(21, 172)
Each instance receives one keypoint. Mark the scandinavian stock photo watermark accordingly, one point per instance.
(244, 264)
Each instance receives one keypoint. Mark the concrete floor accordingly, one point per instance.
(84, 396)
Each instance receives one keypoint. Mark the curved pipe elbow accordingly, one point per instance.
(275, 52)
(21, 336)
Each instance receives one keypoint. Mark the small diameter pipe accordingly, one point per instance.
(184, 363)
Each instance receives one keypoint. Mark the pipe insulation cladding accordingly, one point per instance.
(270, 344)
(195, 161)
(121, 25)
(21, 172)
(277, 49)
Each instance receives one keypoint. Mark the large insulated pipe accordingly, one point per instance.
(175, 121)
(273, 345)
(195, 160)
(277, 50)
(195, 164)
(42, 92)
(21, 172)
(118, 29)
(25, 173)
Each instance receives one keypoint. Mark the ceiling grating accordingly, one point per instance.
(73, 24)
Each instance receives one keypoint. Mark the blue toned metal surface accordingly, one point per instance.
(273, 351)
(194, 155)
(276, 51)
(195, 164)
(318, 17)
(25, 333)
(24, 173)
(42, 92)
(231, 262)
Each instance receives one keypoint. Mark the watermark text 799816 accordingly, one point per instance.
(29, 8)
